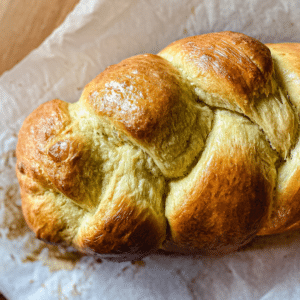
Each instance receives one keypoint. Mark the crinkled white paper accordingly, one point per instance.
(97, 34)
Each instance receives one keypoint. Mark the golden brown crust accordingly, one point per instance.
(38, 128)
(145, 98)
(210, 125)
(214, 219)
(57, 162)
(44, 157)
(232, 71)
(43, 218)
(41, 125)
(223, 202)
(229, 65)
(124, 229)
(138, 94)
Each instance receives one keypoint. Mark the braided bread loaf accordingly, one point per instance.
(195, 149)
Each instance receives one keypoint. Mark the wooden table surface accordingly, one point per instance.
(24, 25)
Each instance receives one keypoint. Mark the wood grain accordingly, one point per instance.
(24, 25)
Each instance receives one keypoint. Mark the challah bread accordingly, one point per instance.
(195, 149)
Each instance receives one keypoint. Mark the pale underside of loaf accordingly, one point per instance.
(195, 148)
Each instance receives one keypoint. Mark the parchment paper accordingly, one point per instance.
(95, 35)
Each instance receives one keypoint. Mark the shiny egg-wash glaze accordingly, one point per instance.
(195, 149)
